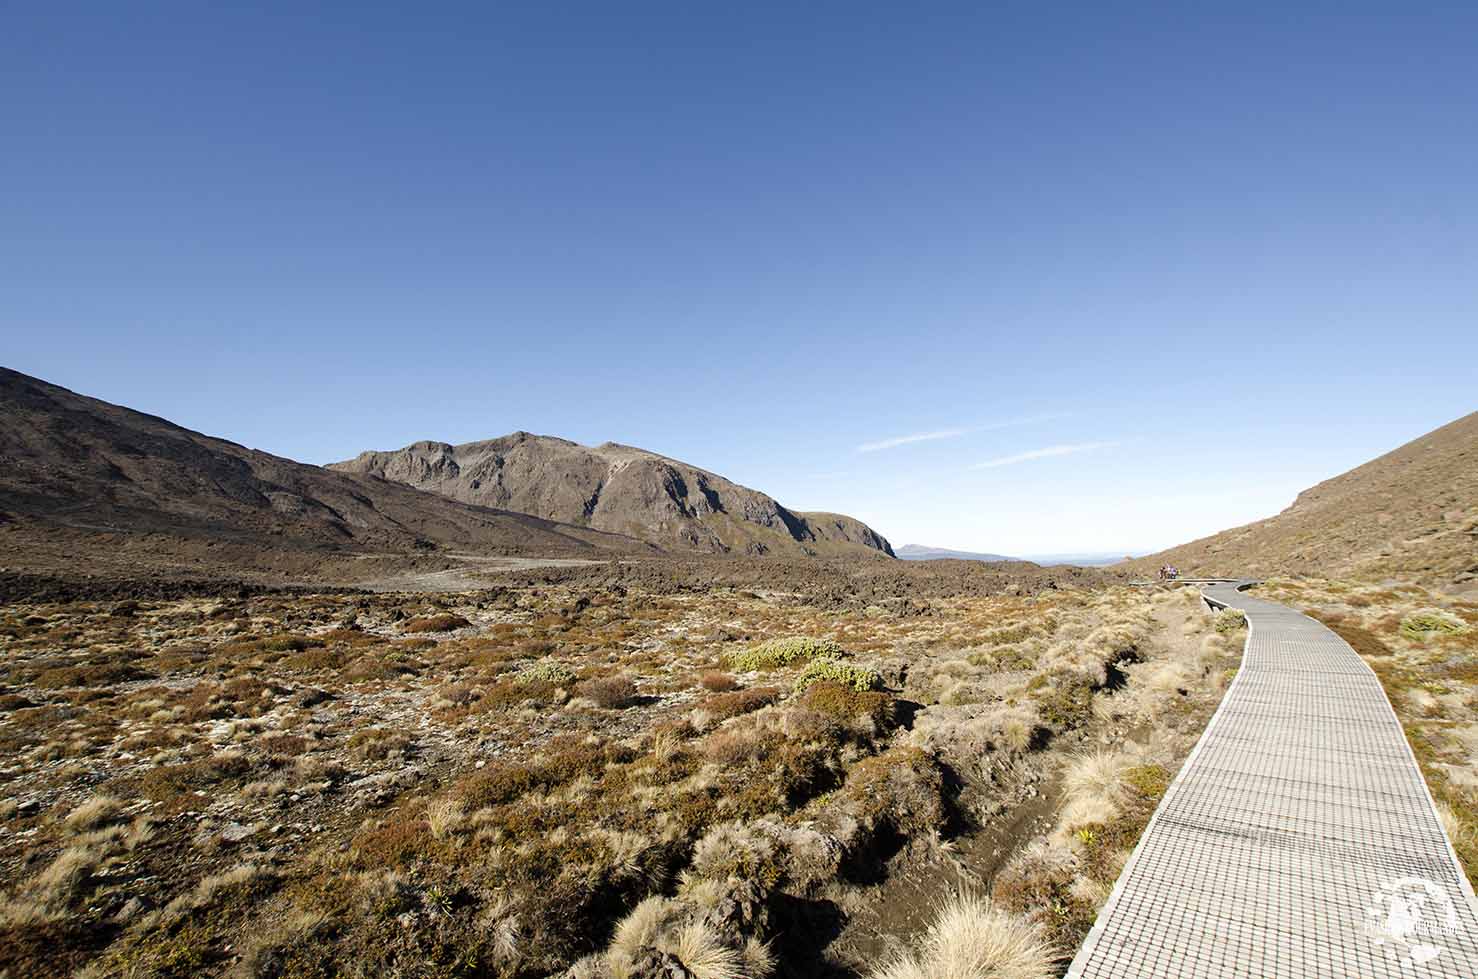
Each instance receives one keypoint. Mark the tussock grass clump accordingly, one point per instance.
(857, 677)
(666, 936)
(95, 812)
(444, 622)
(971, 938)
(1421, 625)
(774, 653)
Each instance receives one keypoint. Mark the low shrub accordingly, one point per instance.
(546, 671)
(497, 784)
(723, 706)
(903, 788)
(1064, 699)
(608, 691)
(105, 675)
(1149, 781)
(1229, 620)
(444, 622)
(849, 703)
(290, 644)
(774, 653)
(1039, 882)
(1362, 640)
(856, 677)
(1419, 626)
(717, 681)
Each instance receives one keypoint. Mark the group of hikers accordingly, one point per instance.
(1169, 572)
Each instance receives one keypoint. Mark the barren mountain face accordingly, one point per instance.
(1411, 514)
(619, 489)
(78, 466)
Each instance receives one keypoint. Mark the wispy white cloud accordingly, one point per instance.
(944, 433)
(1044, 453)
(950, 433)
(1025, 420)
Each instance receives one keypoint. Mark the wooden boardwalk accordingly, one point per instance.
(1299, 839)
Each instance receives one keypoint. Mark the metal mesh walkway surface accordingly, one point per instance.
(1299, 839)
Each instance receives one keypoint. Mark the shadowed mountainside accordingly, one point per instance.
(72, 467)
(619, 489)
(1410, 514)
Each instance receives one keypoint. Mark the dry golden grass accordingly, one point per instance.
(970, 938)
(294, 779)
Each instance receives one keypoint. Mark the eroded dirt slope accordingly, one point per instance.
(1411, 514)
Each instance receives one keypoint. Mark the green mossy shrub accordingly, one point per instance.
(545, 672)
(774, 653)
(1064, 698)
(1229, 620)
(857, 677)
(848, 703)
(1420, 626)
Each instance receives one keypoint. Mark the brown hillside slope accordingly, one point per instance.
(73, 466)
(1411, 514)
(622, 490)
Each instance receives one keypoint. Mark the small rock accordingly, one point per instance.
(235, 833)
(311, 697)
(131, 909)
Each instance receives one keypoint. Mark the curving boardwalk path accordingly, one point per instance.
(1299, 839)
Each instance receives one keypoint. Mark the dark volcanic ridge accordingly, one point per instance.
(75, 464)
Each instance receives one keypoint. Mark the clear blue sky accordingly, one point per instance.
(1223, 253)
